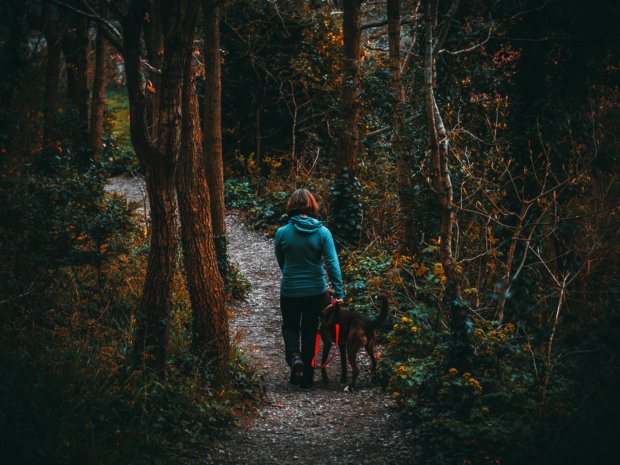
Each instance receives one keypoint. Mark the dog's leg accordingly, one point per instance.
(370, 350)
(352, 349)
(327, 345)
(343, 362)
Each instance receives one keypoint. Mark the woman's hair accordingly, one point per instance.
(302, 202)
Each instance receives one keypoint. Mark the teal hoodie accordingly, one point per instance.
(300, 247)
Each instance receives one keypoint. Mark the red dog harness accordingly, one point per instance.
(317, 344)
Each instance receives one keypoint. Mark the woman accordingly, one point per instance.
(301, 246)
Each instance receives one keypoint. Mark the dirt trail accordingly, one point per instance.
(322, 426)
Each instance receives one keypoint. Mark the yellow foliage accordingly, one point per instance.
(475, 384)
(438, 269)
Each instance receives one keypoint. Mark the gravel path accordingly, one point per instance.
(322, 426)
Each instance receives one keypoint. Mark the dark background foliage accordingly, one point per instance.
(532, 115)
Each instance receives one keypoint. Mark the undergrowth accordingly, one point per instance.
(73, 262)
(501, 410)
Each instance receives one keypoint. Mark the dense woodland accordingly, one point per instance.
(465, 156)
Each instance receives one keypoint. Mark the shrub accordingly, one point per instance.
(464, 417)
(238, 285)
(265, 212)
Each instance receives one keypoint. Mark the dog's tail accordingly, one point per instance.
(383, 314)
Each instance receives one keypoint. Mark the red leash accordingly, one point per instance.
(317, 344)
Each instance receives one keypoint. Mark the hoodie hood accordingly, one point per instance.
(305, 224)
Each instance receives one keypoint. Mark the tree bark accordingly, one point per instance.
(213, 129)
(53, 37)
(348, 142)
(158, 160)
(346, 214)
(151, 337)
(459, 354)
(95, 135)
(400, 144)
(154, 42)
(204, 282)
(75, 46)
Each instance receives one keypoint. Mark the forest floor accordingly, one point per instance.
(324, 425)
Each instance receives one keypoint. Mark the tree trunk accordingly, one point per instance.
(459, 354)
(158, 160)
(154, 41)
(75, 46)
(213, 129)
(348, 142)
(259, 161)
(53, 37)
(400, 145)
(154, 307)
(346, 212)
(151, 337)
(204, 282)
(95, 135)
(505, 283)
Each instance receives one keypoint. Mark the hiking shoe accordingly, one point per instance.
(306, 384)
(297, 366)
(307, 381)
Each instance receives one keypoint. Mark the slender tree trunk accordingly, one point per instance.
(399, 139)
(554, 328)
(213, 129)
(259, 161)
(459, 354)
(348, 142)
(52, 76)
(204, 282)
(95, 136)
(516, 237)
(68, 48)
(346, 212)
(75, 46)
(154, 41)
(295, 159)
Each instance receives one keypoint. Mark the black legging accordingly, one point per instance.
(301, 314)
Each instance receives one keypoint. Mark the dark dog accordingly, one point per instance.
(356, 331)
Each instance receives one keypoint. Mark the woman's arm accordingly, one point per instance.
(332, 264)
(279, 253)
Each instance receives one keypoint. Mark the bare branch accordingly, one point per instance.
(472, 48)
(445, 27)
(112, 34)
(376, 132)
(383, 22)
(523, 13)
